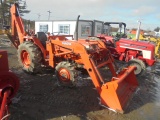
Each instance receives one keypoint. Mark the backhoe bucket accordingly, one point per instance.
(117, 93)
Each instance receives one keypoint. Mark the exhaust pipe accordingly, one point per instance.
(76, 29)
(138, 30)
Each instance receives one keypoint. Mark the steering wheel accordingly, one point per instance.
(58, 33)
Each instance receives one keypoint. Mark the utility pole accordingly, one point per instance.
(39, 15)
(49, 14)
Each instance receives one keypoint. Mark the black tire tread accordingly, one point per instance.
(141, 63)
(35, 56)
(73, 73)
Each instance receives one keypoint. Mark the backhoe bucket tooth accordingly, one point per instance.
(117, 93)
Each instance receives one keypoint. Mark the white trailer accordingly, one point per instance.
(67, 27)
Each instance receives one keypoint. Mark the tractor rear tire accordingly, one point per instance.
(66, 74)
(30, 57)
(140, 66)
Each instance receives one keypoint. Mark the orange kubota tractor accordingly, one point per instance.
(67, 56)
(9, 84)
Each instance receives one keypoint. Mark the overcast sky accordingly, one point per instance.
(128, 11)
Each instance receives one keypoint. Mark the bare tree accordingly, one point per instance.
(2, 11)
(157, 29)
(5, 8)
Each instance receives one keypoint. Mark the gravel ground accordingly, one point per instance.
(40, 98)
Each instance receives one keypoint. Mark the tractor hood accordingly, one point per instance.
(137, 44)
(146, 47)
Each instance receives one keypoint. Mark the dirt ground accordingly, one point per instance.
(40, 98)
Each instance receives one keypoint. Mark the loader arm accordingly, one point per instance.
(117, 92)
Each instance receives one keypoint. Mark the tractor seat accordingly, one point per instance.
(42, 37)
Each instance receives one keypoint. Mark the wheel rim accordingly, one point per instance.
(138, 68)
(64, 75)
(25, 58)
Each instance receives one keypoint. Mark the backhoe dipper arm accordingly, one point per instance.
(17, 26)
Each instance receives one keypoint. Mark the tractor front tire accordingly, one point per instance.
(66, 74)
(140, 66)
(29, 57)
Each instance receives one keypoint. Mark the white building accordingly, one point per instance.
(157, 34)
(67, 27)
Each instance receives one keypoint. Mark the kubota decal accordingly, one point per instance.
(66, 43)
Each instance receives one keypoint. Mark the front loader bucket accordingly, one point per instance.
(117, 93)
